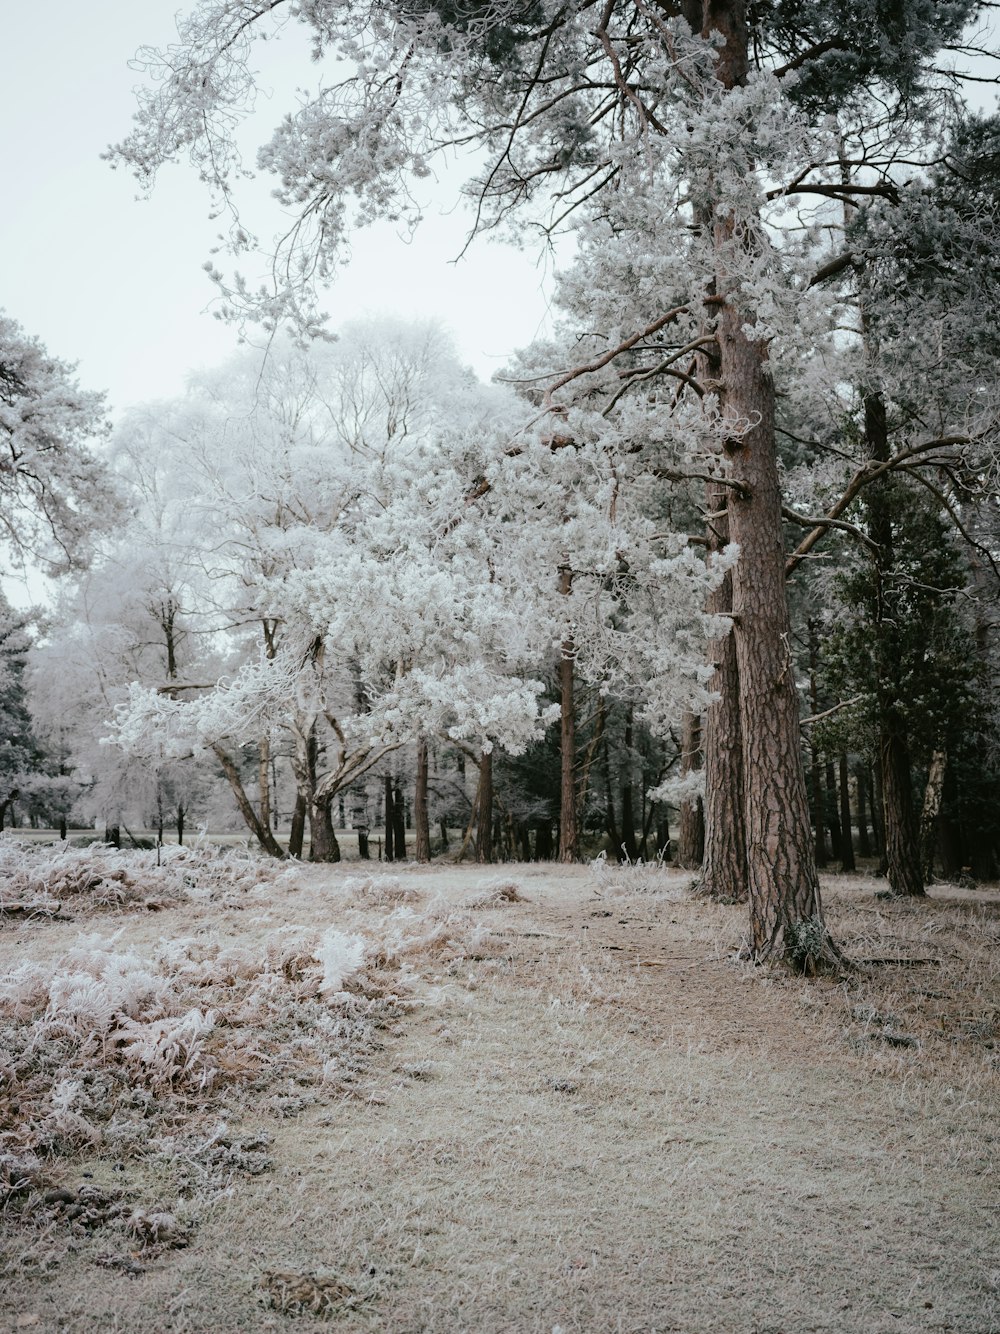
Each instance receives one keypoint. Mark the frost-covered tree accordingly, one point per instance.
(571, 106)
(54, 491)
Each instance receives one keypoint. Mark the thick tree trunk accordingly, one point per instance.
(484, 808)
(847, 862)
(261, 832)
(443, 827)
(691, 827)
(783, 886)
(323, 845)
(420, 816)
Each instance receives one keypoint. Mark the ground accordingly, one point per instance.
(567, 1107)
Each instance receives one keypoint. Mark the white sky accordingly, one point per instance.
(116, 284)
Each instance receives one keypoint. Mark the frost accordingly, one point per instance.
(341, 956)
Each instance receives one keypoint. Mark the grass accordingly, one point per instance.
(555, 1102)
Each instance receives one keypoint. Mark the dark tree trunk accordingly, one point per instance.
(484, 807)
(847, 862)
(609, 814)
(62, 827)
(629, 845)
(443, 826)
(878, 817)
(323, 845)
(902, 838)
(691, 827)
(899, 819)
(544, 846)
(390, 822)
(297, 832)
(399, 824)
(364, 851)
(524, 841)
(420, 816)
(6, 805)
(861, 783)
(832, 810)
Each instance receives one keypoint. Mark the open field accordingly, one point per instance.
(538, 1099)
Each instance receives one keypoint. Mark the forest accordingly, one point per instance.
(695, 600)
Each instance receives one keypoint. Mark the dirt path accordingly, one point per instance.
(597, 1122)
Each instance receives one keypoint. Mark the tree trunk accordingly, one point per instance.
(783, 885)
(847, 862)
(899, 819)
(420, 816)
(443, 826)
(832, 810)
(931, 809)
(861, 784)
(261, 832)
(390, 822)
(902, 840)
(691, 828)
(724, 866)
(629, 846)
(484, 808)
(297, 831)
(264, 780)
(399, 823)
(5, 806)
(323, 845)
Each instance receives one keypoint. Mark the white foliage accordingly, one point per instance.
(341, 956)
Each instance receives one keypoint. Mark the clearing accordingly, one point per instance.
(244, 1097)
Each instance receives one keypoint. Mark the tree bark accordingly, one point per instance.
(297, 831)
(899, 819)
(484, 809)
(783, 885)
(390, 822)
(399, 823)
(724, 873)
(421, 821)
(629, 846)
(691, 827)
(323, 845)
(902, 839)
(831, 808)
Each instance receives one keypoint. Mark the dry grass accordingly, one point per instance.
(565, 1108)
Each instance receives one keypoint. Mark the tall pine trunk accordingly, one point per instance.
(484, 809)
(691, 825)
(569, 836)
(421, 822)
(783, 886)
(899, 818)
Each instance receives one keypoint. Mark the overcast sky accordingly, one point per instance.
(116, 284)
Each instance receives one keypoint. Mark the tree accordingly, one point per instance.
(54, 491)
(573, 107)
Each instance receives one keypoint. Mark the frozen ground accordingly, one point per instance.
(536, 1099)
